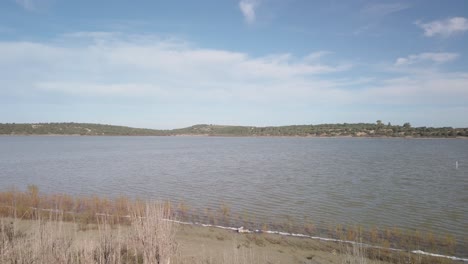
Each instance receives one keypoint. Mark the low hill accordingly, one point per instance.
(84, 129)
(324, 130)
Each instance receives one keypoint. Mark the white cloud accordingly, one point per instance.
(247, 8)
(314, 56)
(430, 88)
(97, 89)
(434, 57)
(100, 64)
(444, 28)
(110, 67)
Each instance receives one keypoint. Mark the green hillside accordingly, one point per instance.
(377, 129)
(84, 129)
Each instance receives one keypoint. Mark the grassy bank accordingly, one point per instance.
(66, 229)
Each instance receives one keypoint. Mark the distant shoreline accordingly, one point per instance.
(226, 136)
(345, 130)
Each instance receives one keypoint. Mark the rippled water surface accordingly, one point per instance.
(410, 183)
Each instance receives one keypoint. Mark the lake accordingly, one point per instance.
(408, 183)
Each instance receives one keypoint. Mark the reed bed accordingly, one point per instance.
(136, 231)
(49, 239)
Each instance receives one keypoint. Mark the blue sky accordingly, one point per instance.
(169, 64)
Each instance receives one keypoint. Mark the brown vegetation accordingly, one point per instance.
(134, 231)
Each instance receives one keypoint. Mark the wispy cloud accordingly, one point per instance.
(27, 4)
(428, 88)
(112, 64)
(35, 5)
(434, 57)
(444, 28)
(384, 9)
(314, 56)
(373, 14)
(109, 67)
(247, 8)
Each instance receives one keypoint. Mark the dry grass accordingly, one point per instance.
(43, 242)
(355, 254)
(154, 235)
(134, 231)
(149, 239)
(83, 210)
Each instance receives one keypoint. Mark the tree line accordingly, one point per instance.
(377, 129)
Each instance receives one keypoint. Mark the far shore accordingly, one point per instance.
(225, 136)
(345, 130)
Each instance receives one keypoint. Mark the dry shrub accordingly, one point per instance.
(150, 240)
(354, 254)
(154, 233)
(109, 245)
(45, 242)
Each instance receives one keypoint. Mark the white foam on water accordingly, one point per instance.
(439, 255)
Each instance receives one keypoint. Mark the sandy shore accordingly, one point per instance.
(197, 244)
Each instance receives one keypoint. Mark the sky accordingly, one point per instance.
(172, 64)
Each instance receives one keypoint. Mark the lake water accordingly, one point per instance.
(409, 183)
